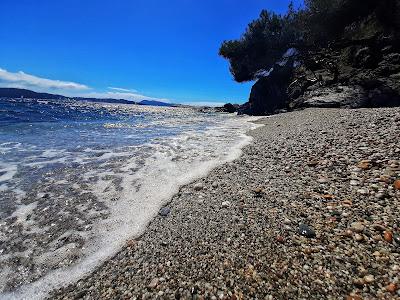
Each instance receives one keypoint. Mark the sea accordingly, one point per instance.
(78, 180)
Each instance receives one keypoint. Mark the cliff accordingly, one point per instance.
(360, 68)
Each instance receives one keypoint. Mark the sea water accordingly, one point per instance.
(77, 180)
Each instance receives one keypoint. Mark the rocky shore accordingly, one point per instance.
(310, 211)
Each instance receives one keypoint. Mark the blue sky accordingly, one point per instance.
(125, 48)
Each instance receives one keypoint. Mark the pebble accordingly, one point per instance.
(225, 204)
(396, 238)
(306, 231)
(153, 283)
(359, 282)
(347, 203)
(365, 165)
(391, 288)
(322, 180)
(357, 227)
(354, 182)
(258, 192)
(287, 221)
(358, 237)
(363, 191)
(164, 211)
(312, 163)
(214, 184)
(353, 297)
(388, 236)
(198, 186)
(397, 184)
(378, 227)
(369, 278)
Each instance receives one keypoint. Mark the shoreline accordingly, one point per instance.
(224, 238)
(133, 201)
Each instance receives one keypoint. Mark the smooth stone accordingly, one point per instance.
(153, 283)
(358, 237)
(164, 211)
(354, 182)
(322, 180)
(378, 227)
(306, 231)
(391, 288)
(380, 195)
(287, 221)
(359, 282)
(363, 191)
(198, 186)
(225, 204)
(388, 236)
(369, 278)
(357, 227)
(396, 238)
(396, 184)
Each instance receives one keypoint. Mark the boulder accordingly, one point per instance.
(230, 108)
(269, 93)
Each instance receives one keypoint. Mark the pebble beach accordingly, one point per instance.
(311, 210)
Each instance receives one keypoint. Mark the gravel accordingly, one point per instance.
(332, 170)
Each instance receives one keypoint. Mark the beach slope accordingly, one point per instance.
(311, 210)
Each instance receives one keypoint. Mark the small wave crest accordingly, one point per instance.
(90, 202)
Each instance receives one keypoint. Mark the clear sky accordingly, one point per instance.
(125, 48)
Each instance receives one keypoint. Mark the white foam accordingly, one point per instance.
(9, 171)
(23, 211)
(174, 162)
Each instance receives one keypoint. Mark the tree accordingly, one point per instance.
(264, 42)
(315, 25)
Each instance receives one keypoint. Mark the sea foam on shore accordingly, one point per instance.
(76, 191)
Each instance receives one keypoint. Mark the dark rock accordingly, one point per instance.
(164, 211)
(396, 238)
(306, 231)
(80, 294)
(230, 108)
(269, 93)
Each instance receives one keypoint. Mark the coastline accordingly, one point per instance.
(130, 199)
(225, 239)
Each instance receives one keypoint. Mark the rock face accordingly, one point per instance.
(363, 73)
(360, 70)
(269, 94)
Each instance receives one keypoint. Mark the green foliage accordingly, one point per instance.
(319, 22)
(326, 20)
(263, 43)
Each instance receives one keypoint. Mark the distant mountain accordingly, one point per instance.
(155, 103)
(104, 100)
(22, 93)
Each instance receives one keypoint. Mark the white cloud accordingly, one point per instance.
(73, 89)
(24, 80)
(122, 90)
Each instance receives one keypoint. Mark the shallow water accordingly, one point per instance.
(77, 180)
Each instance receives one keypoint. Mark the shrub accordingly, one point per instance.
(315, 25)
